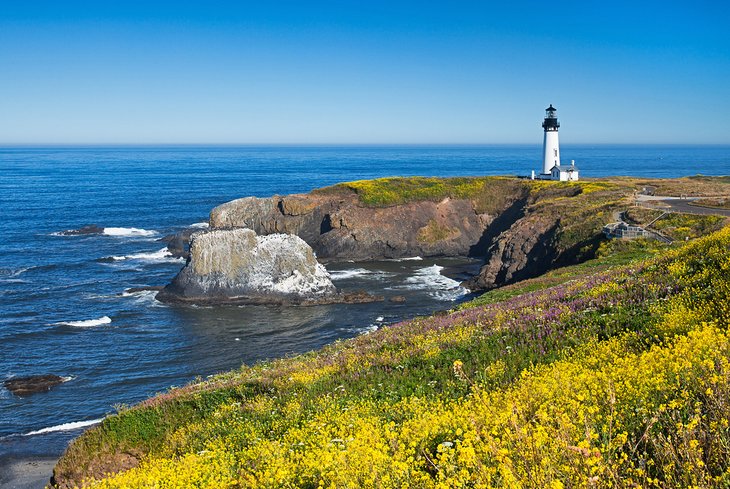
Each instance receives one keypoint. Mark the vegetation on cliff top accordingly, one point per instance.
(383, 192)
(489, 193)
(612, 379)
(674, 225)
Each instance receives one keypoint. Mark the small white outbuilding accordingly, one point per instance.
(564, 173)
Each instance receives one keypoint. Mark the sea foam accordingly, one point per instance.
(88, 323)
(128, 232)
(65, 427)
(146, 297)
(12, 272)
(159, 256)
(439, 286)
(10, 275)
(358, 272)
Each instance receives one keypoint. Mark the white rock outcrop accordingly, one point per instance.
(237, 265)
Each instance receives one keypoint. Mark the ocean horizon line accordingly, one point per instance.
(4, 146)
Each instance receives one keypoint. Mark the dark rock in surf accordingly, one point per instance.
(178, 244)
(90, 229)
(25, 386)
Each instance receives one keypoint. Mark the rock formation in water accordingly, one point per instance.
(89, 229)
(236, 265)
(25, 386)
(178, 244)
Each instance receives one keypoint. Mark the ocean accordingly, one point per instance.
(63, 306)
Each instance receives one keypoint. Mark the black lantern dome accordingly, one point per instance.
(551, 120)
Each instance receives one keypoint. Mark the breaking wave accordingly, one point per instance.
(147, 297)
(159, 256)
(128, 232)
(93, 229)
(439, 286)
(12, 272)
(363, 330)
(358, 272)
(65, 427)
(88, 323)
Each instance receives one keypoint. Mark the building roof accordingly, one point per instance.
(551, 107)
(565, 168)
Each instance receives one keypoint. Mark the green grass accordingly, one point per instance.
(490, 194)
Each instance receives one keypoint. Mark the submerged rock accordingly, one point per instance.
(24, 386)
(237, 266)
(90, 229)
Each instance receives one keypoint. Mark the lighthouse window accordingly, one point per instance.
(556, 152)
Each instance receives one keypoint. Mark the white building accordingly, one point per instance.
(551, 169)
(564, 173)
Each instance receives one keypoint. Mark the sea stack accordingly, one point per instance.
(238, 266)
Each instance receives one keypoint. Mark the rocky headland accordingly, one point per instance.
(520, 228)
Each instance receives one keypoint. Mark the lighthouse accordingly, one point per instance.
(550, 146)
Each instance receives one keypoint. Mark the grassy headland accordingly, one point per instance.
(609, 379)
(611, 373)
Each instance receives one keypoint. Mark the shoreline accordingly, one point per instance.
(26, 472)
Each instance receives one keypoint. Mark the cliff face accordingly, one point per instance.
(527, 249)
(338, 227)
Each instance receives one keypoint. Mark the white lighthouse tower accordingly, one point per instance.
(550, 146)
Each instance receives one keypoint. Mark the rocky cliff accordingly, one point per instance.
(338, 227)
(521, 228)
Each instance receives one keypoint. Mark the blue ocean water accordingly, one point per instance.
(63, 309)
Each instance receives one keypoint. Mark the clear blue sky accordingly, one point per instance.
(363, 72)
